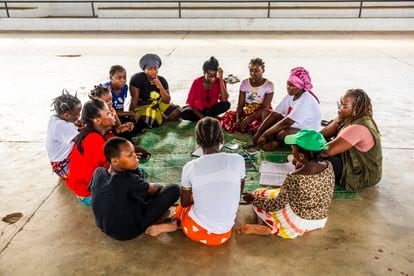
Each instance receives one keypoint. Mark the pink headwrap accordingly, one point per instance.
(300, 78)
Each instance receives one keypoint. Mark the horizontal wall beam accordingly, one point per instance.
(214, 24)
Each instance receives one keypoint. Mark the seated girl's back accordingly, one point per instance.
(215, 183)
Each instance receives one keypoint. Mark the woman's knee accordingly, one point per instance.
(226, 105)
(173, 190)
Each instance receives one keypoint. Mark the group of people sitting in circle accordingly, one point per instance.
(90, 148)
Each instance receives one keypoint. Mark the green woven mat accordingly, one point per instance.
(172, 144)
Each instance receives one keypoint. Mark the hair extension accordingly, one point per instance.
(90, 111)
(210, 65)
(65, 103)
(257, 61)
(209, 132)
(116, 68)
(111, 147)
(361, 105)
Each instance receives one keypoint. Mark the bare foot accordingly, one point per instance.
(157, 229)
(254, 229)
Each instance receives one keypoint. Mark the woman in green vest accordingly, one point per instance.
(355, 150)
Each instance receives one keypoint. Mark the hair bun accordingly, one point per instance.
(211, 64)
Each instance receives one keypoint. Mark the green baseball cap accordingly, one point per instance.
(308, 139)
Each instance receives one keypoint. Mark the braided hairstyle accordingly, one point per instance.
(90, 111)
(210, 65)
(361, 105)
(98, 91)
(257, 61)
(65, 103)
(208, 132)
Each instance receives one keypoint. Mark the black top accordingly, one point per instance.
(117, 202)
(140, 81)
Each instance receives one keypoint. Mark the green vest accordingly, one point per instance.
(362, 169)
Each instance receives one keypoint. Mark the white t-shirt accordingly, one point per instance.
(215, 183)
(305, 111)
(60, 134)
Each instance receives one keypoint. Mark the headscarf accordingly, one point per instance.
(300, 78)
(150, 60)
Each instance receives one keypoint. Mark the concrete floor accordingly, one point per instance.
(57, 235)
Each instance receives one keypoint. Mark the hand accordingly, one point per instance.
(220, 73)
(157, 83)
(261, 141)
(125, 127)
(245, 123)
(248, 197)
(80, 124)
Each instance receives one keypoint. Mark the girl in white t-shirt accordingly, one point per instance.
(211, 187)
(62, 132)
(298, 110)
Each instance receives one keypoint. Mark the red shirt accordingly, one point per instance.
(82, 166)
(200, 98)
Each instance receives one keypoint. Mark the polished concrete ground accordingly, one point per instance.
(57, 235)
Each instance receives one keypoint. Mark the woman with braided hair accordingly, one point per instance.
(211, 187)
(355, 151)
(62, 132)
(87, 154)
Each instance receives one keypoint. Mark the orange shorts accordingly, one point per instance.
(197, 233)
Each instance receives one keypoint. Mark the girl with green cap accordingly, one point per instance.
(301, 204)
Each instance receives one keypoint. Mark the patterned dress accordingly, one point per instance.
(254, 97)
(299, 206)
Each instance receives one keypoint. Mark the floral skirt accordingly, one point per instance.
(285, 223)
(197, 233)
(228, 121)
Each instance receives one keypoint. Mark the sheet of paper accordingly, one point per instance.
(273, 174)
(277, 168)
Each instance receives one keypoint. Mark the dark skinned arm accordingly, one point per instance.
(336, 146)
(331, 130)
(270, 120)
(134, 92)
(165, 94)
(224, 95)
(186, 197)
(265, 104)
(284, 123)
(240, 105)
